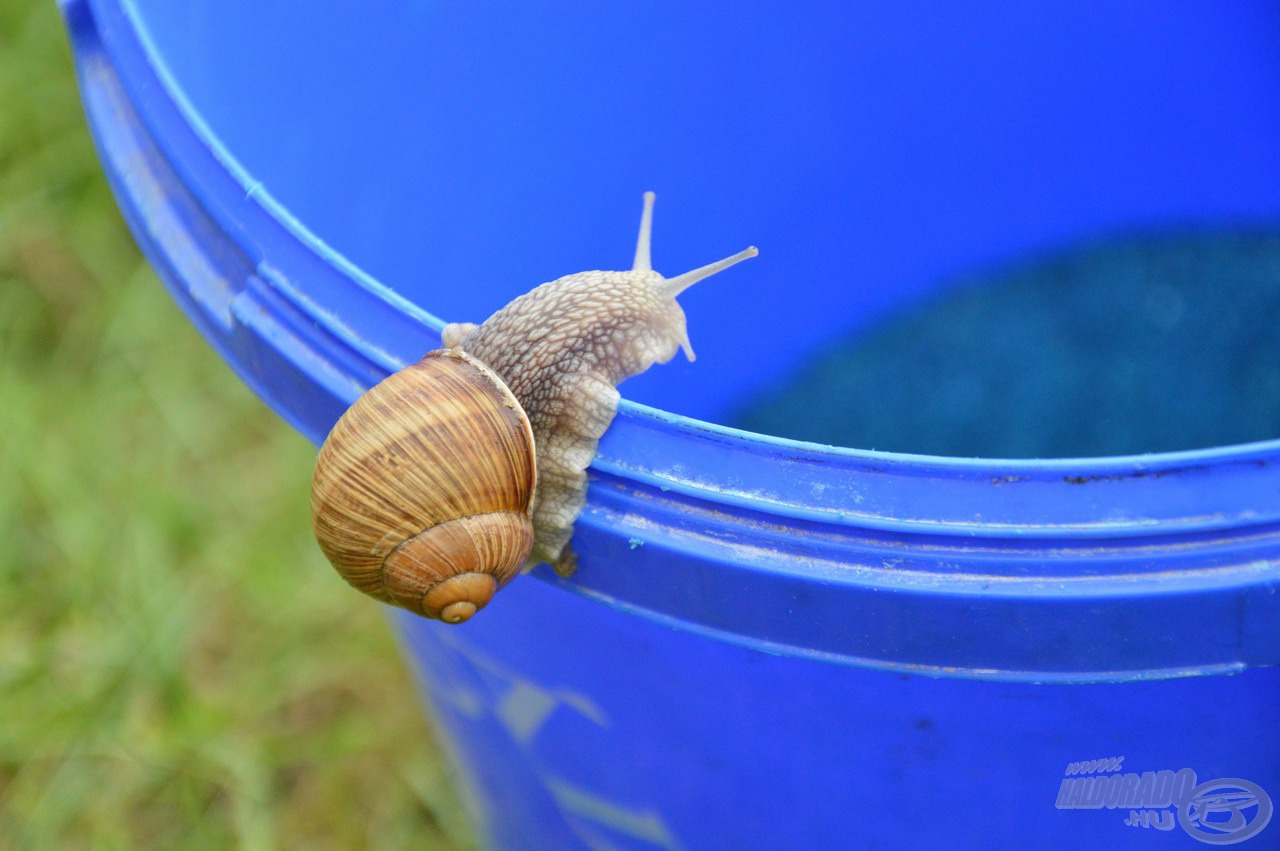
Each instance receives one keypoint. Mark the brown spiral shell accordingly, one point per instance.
(422, 492)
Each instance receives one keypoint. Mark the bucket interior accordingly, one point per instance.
(875, 152)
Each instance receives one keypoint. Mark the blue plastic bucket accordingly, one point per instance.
(768, 644)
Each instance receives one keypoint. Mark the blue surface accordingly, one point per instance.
(461, 154)
(1148, 343)
(317, 190)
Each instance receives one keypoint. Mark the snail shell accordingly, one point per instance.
(422, 492)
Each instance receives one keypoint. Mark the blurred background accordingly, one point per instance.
(179, 668)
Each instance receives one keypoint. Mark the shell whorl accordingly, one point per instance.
(422, 492)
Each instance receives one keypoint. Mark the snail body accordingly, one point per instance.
(444, 480)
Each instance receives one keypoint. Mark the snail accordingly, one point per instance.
(447, 478)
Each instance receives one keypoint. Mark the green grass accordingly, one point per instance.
(179, 667)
